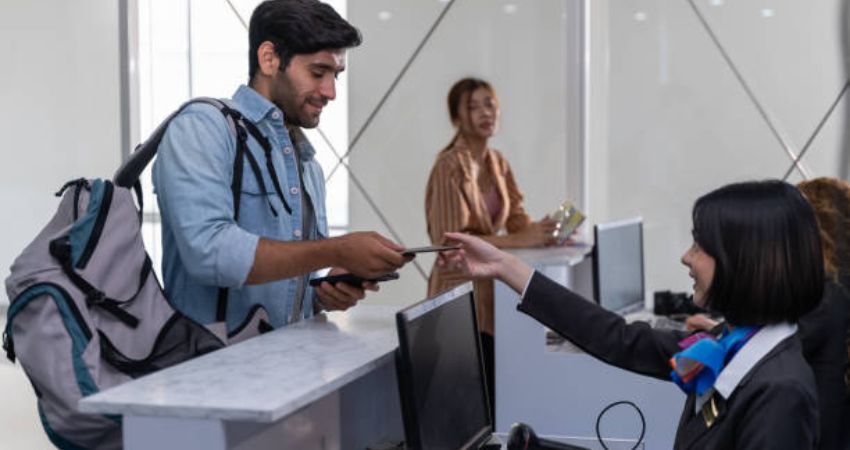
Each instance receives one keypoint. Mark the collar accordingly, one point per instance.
(305, 148)
(765, 340)
(253, 105)
(256, 108)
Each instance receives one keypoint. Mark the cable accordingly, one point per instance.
(622, 402)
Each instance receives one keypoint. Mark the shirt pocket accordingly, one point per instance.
(257, 209)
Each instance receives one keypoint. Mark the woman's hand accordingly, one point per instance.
(480, 259)
(700, 322)
(537, 234)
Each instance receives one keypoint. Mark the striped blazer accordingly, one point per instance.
(454, 202)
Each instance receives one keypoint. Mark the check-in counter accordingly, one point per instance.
(326, 383)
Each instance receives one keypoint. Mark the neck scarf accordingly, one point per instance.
(697, 366)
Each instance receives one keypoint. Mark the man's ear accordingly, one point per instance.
(267, 59)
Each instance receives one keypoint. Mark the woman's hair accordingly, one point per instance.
(459, 96)
(764, 239)
(830, 199)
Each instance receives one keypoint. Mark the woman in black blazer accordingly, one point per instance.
(756, 259)
(824, 331)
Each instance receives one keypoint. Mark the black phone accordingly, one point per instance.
(430, 248)
(353, 280)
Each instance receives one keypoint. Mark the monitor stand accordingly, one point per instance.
(494, 443)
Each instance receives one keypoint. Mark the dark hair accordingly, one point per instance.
(767, 252)
(460, 91)
(297, 27)
(830, 199)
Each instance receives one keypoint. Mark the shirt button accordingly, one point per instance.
(275, 115)
(287, 150)
(293, 190)
(297, 233)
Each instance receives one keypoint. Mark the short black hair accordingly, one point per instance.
(297, 27)
(764, 239)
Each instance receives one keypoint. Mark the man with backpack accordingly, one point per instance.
(231, 251)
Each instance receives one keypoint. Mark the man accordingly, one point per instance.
(266, 257)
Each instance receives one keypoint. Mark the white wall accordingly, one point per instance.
(525, 48)
(670, 121)
(59, 85)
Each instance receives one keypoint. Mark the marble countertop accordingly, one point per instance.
(265, 378)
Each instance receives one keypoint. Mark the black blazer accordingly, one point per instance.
(774, 407)
(824, 333)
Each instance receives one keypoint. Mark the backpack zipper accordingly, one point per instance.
(100, 222)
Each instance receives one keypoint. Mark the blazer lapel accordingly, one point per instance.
(694, 426)
(472, 193)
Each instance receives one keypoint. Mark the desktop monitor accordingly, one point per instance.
(440, 373)
(618, 265)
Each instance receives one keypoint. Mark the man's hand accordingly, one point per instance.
(341, 296)
(365, 254)
(368, 254)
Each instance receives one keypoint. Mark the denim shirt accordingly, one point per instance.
(203, 247)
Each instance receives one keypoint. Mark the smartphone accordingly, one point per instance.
(353, 280)
(430, 248)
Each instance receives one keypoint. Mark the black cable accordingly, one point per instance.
(622, 402)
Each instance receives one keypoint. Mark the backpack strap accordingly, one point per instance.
(267, 149)
(129, 172)
(78, 185)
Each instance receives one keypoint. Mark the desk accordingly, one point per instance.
(325, 383)
(561, 393)
(588, 443)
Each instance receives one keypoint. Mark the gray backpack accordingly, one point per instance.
(87, 311)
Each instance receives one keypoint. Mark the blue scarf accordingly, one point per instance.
(695, 369)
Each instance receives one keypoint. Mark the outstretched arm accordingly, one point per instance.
(366, 254)
(601, 333)
(480, 259)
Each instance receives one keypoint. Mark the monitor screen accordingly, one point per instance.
(441, 378)
(618, 265)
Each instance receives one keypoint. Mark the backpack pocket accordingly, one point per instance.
(255, 324)
(180, 339)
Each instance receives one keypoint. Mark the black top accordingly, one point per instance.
(824, 333)
(774, 406)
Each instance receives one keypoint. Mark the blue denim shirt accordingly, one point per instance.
(203, 247)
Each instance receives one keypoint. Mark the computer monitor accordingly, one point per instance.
(441, 374)
(618, 265)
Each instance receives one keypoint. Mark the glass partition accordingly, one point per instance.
(689, 95)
